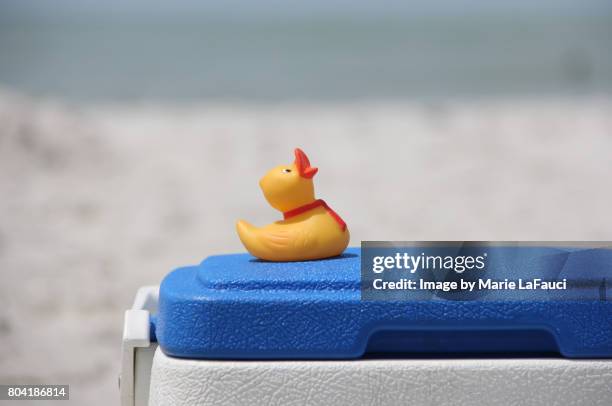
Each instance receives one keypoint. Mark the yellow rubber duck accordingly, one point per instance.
(310, 229)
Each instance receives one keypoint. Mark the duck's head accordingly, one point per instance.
(289, 186)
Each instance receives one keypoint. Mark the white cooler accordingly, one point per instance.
(149, 377)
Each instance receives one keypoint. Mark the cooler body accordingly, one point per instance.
(235, 330)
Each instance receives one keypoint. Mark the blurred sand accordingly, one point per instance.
(97, 201)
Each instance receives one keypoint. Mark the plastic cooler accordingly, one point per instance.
(236, 330)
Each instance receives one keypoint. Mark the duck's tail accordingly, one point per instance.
(246, 232)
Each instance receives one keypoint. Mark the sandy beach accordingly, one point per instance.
(98, 200)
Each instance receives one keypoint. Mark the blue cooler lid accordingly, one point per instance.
(238, 307)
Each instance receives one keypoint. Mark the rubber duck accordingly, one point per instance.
(310, 229)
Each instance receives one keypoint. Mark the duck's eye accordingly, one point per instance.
(286, 170)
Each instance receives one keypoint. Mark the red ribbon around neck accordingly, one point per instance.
(313, 205)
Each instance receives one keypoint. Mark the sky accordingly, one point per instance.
(272, 8)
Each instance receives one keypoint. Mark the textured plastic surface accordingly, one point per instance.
(236, 307)
(439, 382)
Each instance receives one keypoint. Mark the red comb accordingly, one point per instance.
(303, 165)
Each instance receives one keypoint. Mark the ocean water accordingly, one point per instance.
(316, 58)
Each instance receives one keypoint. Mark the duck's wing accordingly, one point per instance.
(287, 237)
(276, 242)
